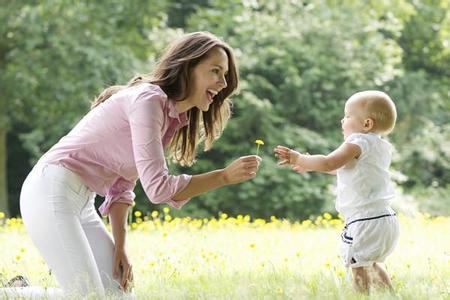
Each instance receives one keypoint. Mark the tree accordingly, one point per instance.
(55, 56)
(298, 62)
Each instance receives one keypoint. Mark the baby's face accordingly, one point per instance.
(354, 116)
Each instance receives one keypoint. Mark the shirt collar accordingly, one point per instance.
(174, 114)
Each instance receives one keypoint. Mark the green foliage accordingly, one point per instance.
(299, 61)
(425, 38)
(56, 56)
(426, 159)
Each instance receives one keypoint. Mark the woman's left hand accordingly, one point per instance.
(122, 269)
(243, 168)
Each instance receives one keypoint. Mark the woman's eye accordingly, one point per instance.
(216, 71)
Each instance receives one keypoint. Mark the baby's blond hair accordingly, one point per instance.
(379, 107)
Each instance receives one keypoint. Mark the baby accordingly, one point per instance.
(364, 189)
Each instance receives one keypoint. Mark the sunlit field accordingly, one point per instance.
(240, 258)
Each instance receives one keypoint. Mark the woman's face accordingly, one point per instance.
(208, 79)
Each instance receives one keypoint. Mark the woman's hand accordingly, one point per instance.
(122, 269)
(243, 168)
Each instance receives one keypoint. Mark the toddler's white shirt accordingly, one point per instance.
(364, 184)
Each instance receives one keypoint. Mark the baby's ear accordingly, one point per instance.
(368, 124)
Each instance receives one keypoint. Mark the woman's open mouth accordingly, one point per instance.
(210, 95)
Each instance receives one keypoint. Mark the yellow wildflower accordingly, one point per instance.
(259, 143)
(327, 216)
(137, 214)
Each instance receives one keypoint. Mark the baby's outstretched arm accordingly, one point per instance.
(321, 163)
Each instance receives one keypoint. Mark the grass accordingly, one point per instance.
(237, 258)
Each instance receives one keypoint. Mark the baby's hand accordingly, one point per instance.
(286, 155)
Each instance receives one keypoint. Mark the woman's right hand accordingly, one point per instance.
(122, 269)
(243, 168)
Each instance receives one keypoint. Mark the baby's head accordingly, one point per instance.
(369, 111)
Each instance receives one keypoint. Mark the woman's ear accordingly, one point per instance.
(368, 124)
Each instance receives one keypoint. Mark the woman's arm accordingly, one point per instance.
(118, 218)
(242, 169)
(121, 265)
(146, 117)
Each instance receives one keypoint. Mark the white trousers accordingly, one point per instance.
(59, 214)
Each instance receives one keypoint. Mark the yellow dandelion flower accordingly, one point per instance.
(253, 246)
(327, 216)
(18, 257)
(167, 218)
(155, 214)
(224, 216)
(134, 225)
(306, 222)
(258, 143)
(166, 210)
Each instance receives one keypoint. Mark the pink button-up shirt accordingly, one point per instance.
(121, 140)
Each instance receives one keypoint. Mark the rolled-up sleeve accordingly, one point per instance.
(146, 117)
(121, 191)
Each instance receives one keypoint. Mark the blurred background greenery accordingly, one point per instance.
(299, 61)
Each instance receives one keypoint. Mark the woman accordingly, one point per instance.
(122, 139)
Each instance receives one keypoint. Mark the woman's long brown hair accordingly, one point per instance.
(172, 74)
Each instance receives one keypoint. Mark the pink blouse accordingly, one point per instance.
(121, 140)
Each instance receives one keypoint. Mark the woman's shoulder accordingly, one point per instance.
(146, 94)
(149, 89)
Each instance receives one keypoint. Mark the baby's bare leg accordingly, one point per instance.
(381, 277)
(361, 279)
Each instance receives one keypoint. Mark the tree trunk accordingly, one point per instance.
(3, 175)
